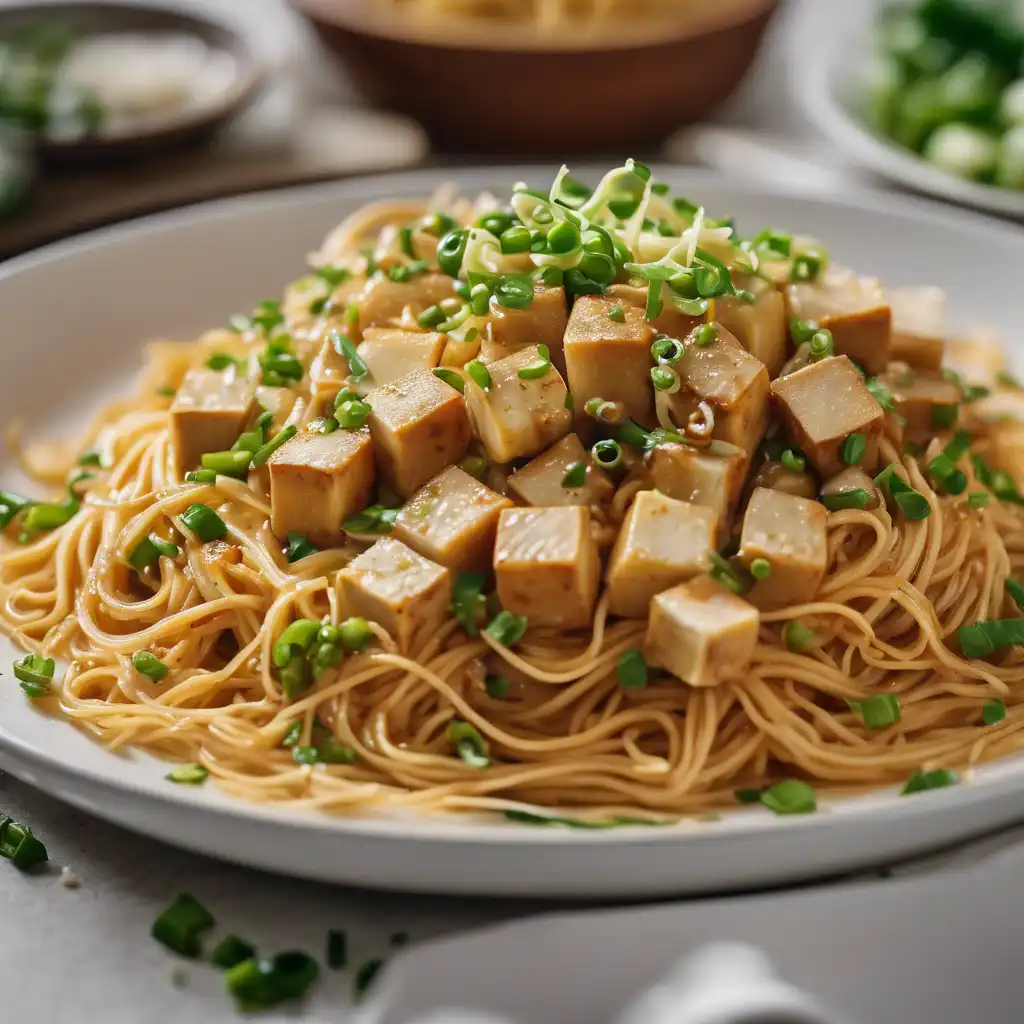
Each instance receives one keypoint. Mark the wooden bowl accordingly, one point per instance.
(511, 92)
(188, 127)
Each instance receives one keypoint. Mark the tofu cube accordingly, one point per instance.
(279, 402)
(822, 405)
(662, 542)
(543, 322)
(547, 565)
(788, 532)
(669, 321)
(854, 309)
(927, 401)
(384, 303)
(419, 426)
(610, 360)
(701, 632)
(319, 480)
(399, 589)
(209, 411)
(711, 477)
(517, 417)
(452, 521)
(731, 381)
(539, 482)
(760, 326)
(918, 327)
(772, 473)
(327, 374)
(390, 353)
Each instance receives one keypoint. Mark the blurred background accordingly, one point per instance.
(112, 109)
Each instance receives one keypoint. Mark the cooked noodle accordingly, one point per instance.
(567, 735)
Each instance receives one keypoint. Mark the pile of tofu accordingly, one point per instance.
(532, 534)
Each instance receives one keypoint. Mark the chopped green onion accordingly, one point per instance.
(293, 735)
(468, 600)
(51, 515)
(725, 573)
(233, 463)
(564, 238)
(475, 465)
(497, 687)
(333, 276)
(354, 634)
(35, 673)
(148, 551)
(631, 669)
(707, 334)
(19, 845)
(667, 350)
(90, 458)
(259, 984)
(165, 391)
(515, 240)
(468, 744)
(958, 446)
(946, 475)
(537, 368)
(148, 664)
(231, 951)
(479, 374)
(978, 499)
(337, 950)
(879, 711)
(793, 461)
(993, 712)
(514, 292)
(881, 394)
(295, 639)
(921, 781)
(944, 416)
(201, 476)
(1007, 380)
(179, 926)
(575, 475)
(508, 629)
(204, 522)
(617, 313)
(299, 547)
(790, 796)
(773, 243)
(746, 797)
(853, 449)
(305, 755)
(1016, 591)
(913, 505)
(451, 377)
(273, 444)
(365, 977)
(239, 323)
(805, 267)
(451, 250)
(188, 775)
(760, 568)
(431, 317)
(985, 638)
(549, 820)
(642, 171)
(351, 415)
(655, 300)
(797, 637)
(346, 348)
(607, 454)
(373, 519)
(222, 361)
(855, 498)
(664, 378)
(821, 344)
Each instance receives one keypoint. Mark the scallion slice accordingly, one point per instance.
(791, 796)
(631, 669)
(479, 374)
(607, 454)
(148, 664)
(337, 950)
(497, 687)
(468, 744)
(506, 628)
(188, 775)
(993, 712)
(853, 449)
(921, 781)
(346, 348)
(180, 925)
(299, 547)
(797, 637)
(985, 638)
(855, 498)
(879, 711)
(575, 475)
(19, 845)
(231, 951)
(264, 453)
(232, 463)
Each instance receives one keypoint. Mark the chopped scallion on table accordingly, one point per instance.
(180, 925)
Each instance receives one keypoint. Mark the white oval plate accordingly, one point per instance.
(827, 50)
(74, 317)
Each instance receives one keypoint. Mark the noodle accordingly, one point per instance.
(566, 735)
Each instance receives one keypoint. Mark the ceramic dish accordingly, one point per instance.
(174, 274)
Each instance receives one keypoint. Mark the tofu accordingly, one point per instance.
(670, 321)
(854, 309)
(543, 322)
(319, 480)
(452, 521)
(921, 397)
(399, 589)
(209, 411)
(853, 478)
(979, 357)
(822, 405)
(539, 482)
(610, 360)
(701, 633)
(327, 374)
(390, 353)
(419, 426)
(662, 542)
(760, 326)
(516, 417)
(773, 474)
(279, 402)
(711, 477)
(731, 381)
(383, 302)
(788, 532)
(918, 327)
(547, 565)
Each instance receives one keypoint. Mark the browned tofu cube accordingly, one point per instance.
(279, 402)
(772, 473)
(419, 426)
(452, 521)
(670, 320)
(390, 353)
(319, 480)
(854, 309)
(662, 542)
(789, 533)
(543, 322)
(384, 302)
(731, 381)
(927, 401)
(327, 374)
(701, 632)
(518, 416)
(547, 565)
(918, 327)
(712, 477)
(399, 589)
(822, 405)
(209, 411)
(759, 326)
(608, 359)
(540, 481)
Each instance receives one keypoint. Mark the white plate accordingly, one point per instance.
(74, 315)
(827, 51)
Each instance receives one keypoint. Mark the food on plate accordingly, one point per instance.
(576, 500)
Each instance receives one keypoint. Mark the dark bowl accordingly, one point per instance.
(495, 92)
(190, 126)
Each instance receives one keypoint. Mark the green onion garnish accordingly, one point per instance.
(50, 515)
(295, 640)
(233, 463)
(222, 361)
(912, 504)
(617, 313)
(508, 629)
(451, 377)
(664, 378)
(148, 664)
(537, 368)
(667, 350)
(35, 673)
(985, 638)
(373, 519)
(1016, 591)
(299, 547)
(797, 637)
(497, 687)
(431, 317)
(631, 669)
(746, 797)
(337, 950)
(946, 475)
(707, 334)
(725, 573)
(607, 454)
(188, 775)
(354, 634)
(293, 735)
(944, 416)
(805, 267)
(821, 344)
(259, 984)
(90, 458)
(231, 951)
(515, 240)
(179, 926)
(921, 781)
(468, 600)
(879, 711)
(148, 551)
(468, 744)
(793, 461)
(365, 977)
(853, 449)
(201, 476)
(881, 394)
(451, 250)
(977, 499)
(790, 796)
(204, 522)
(273, 444)
(19, 845)
(855, 498)
(479, 374)
(346, 348)
(575, 475)
(760, 568)
(993, 712)
(514, 292)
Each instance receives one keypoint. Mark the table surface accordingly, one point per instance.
(84, 954)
